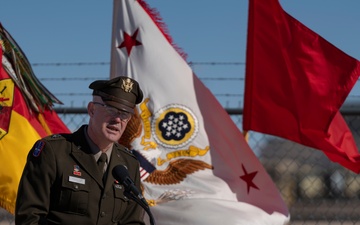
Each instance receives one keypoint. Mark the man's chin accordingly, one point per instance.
(114, 137)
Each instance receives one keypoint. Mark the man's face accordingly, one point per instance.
(106, 124)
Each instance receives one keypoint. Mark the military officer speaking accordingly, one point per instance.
(67, 178)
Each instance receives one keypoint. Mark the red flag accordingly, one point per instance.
(197, 167)
(21, 122)
(296, 82)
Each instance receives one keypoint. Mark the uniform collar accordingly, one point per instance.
(94, 149)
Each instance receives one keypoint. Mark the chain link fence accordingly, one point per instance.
(316, 190)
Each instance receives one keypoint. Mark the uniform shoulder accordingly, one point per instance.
(54, 137)
(41, 144)
(54, 141)
(124, 149)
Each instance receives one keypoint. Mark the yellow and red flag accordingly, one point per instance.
(25, 116)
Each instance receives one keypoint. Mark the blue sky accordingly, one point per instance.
(72, 32)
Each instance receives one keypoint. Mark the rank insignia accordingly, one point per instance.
(56, 136)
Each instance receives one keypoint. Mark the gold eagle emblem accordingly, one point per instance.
(176, 171)
(127, 85)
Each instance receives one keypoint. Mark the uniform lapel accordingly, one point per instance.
(81, 152)
(116, 159)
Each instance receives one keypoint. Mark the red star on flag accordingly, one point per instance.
(248, 178)
(130, 41)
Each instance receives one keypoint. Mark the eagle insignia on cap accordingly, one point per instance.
(127, 85)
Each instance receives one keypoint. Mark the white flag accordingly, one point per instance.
(197, 167)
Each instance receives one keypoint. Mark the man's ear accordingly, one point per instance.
(90, 108)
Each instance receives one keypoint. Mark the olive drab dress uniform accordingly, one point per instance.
(69, 186)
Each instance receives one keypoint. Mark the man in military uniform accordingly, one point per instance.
(65, 180)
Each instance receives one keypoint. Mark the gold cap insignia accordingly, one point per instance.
(127, 85)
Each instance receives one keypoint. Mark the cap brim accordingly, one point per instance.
(120, 106)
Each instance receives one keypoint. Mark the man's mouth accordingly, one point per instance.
(111, 127)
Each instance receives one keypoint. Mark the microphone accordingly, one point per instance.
(121, 174)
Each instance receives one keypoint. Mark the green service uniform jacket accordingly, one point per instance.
(61, 184)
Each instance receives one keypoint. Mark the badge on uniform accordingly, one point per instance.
(117, 185)
(39, 145)
(76, 180)
(77, 170)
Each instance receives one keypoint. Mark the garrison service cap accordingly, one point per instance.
(121, 92)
